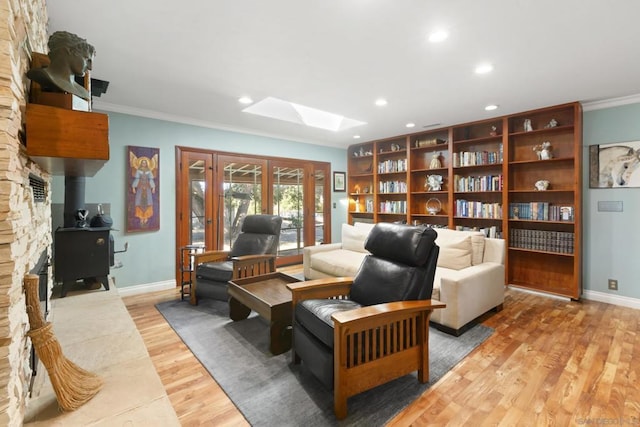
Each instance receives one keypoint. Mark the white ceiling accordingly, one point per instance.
(191, 60)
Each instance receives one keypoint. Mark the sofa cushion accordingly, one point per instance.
(454, 258)
(338, 262)
(353, 238)
(460, 249)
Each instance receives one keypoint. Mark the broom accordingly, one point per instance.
(73, 385)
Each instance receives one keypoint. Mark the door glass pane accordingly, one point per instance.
(242, 188)
(319, 201)
(288, 202)
(197, 184)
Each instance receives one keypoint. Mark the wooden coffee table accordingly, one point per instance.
(268, 296)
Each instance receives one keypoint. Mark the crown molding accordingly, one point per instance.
(611, 102)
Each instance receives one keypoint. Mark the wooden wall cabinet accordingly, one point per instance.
(489, 171)
(67, 142)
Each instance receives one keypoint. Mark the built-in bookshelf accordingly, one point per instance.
(483, 176)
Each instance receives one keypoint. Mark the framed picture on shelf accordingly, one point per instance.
(615, 165)
(339, 181)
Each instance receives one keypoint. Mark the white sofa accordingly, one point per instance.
(470, 277)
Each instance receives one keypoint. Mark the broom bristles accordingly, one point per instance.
(73, 385)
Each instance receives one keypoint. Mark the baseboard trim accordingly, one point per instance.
(611, 299)
(147, 287)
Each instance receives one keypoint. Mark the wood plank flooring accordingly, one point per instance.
(550, 362)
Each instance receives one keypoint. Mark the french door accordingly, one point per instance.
(215, 191)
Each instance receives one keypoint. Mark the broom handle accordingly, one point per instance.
(31, 285)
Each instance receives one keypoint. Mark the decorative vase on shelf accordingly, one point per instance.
(435, 161)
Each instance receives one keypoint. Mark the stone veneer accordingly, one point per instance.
(25, 226)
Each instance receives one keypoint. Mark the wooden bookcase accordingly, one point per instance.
(488, 171)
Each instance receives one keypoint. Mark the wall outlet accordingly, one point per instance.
(613, 284)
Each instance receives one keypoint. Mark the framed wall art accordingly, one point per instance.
(143, 189)
(615, 165)
(339, 181)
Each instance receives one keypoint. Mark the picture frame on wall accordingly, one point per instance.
(614, 165)
(339, 181)
(143, 189)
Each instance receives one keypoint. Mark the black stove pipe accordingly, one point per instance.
(74, 187)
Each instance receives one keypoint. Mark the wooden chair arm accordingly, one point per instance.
(210, 256)
(252, 258)
(382, 311)
(330, 287)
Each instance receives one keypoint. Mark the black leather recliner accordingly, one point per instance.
(373, 322)
(253, 252)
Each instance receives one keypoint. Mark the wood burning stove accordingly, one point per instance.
(81, 252)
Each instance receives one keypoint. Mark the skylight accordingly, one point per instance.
(295, 113)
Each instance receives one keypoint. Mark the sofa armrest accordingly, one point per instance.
(308, 251)
(469, 293)
(494, 250)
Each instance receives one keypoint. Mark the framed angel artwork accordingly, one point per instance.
(143, 189)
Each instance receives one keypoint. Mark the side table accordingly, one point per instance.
(187, 254)
(268, 296)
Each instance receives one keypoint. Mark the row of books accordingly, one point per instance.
(392, 187)
(475, 158)
(474, 209)
(393, 206)
(540, 211)
(542, 240)
(492, 232)
(389, 166)
(465, 184)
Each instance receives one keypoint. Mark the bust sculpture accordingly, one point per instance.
(70, 56)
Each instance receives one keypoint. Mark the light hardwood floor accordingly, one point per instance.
(549, 362)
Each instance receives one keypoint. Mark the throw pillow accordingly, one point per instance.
(353, 238)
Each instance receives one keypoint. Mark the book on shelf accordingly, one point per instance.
(543, 240)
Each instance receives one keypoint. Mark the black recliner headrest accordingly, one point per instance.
(399, 242)
(262, 224)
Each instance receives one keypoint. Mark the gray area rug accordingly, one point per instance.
(270, 391)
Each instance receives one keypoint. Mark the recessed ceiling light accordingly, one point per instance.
(381, 102)
(491, 107)
(410, 125)
(245, 100)
(438, 36)
(484, 68)
(356, 136)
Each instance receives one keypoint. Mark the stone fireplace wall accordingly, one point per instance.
(25, 225)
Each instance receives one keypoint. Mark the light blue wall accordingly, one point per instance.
(611, 239)
(150, 258)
